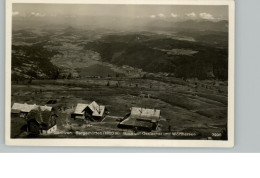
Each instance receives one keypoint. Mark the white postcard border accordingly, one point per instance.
(123, 142)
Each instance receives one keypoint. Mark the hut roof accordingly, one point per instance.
(28, 107)
(23, 107)
(93, 106)
(145, 114)
(80, 108)
(98, 110)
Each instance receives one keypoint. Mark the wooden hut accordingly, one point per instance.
(141, 119)
(92, 111)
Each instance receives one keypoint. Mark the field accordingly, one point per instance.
(185, 106)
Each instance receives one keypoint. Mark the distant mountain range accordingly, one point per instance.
(203, 25)
(198, 25)
(118, 23)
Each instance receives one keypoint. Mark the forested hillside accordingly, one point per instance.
(182, 58)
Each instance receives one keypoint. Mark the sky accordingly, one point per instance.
(174, 12)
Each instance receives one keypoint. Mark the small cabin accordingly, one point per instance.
(95, 111)
(141, 119)
(92, 111)
(79, 112)
(22, 110)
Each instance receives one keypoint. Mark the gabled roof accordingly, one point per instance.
(98, 110)
(23, 107)
(146, 114)
(141, 117)
(80, 108)
(28, 107)
(93, 106)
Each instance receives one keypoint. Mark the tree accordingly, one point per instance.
(108, 83)
(34, 114)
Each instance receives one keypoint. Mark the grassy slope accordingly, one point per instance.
(198, 111)
(38, 60)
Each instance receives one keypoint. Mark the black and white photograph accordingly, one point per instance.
(81, 73)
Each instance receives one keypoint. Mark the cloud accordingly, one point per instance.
(161, 15)
(15, 13)
(206, 16)
(152, 16)
(191, 14)
(174, 15)
(37, 14)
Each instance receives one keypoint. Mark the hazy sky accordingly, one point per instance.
(131, 11)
